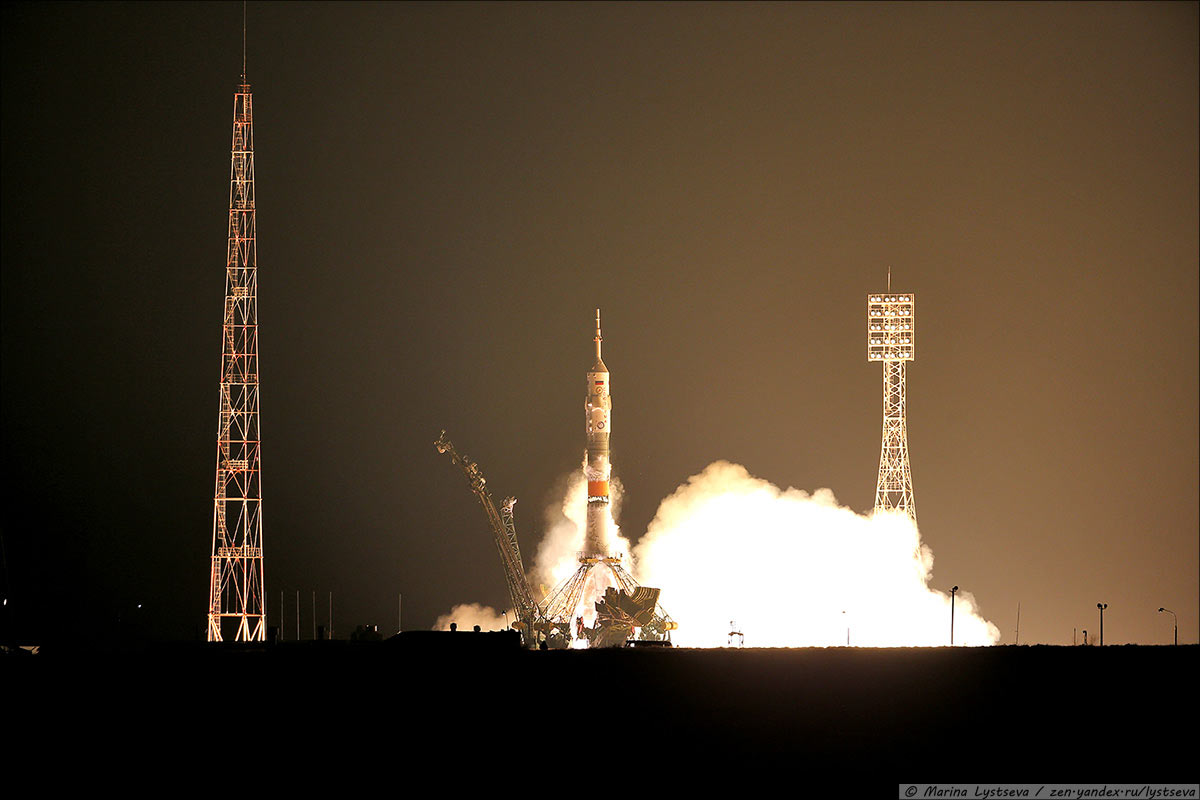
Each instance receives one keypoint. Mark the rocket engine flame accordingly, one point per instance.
(795, 569)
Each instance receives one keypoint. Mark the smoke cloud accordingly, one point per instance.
(557, 557)
(794, 570)
(468, 615)
(786, 568)
(558, 553)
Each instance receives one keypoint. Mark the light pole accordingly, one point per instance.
(953, 591)
(847, 621)
(1172, 613)
(1102, 606)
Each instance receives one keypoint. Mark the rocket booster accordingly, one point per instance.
(598, 414)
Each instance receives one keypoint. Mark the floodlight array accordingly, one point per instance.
(891, 327)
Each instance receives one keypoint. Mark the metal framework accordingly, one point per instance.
(236, 580)
(504, 532)
(563, 602)
(551, 619)
(891, 338)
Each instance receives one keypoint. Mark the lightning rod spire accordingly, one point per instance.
(599, 338)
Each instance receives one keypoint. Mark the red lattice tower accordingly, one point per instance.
(236, 597)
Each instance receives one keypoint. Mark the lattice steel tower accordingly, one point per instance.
(891, 338)
(236, 584)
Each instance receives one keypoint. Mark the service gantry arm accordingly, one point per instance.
(505, 533)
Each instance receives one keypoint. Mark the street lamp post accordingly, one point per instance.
(1102, 606)
(953, 591)
(1172, 613)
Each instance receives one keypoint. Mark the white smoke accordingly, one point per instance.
(794, 570)
(468, 615)
(557, 558)
(791, 569)
(558, 553)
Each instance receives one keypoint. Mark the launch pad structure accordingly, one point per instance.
(627, 610)
(891, 339)
(530, 619)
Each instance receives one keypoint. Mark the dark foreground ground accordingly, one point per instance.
(475, 707)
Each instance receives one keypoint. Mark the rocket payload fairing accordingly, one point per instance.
(598, 411)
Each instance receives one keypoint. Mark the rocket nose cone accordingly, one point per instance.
(598, 366)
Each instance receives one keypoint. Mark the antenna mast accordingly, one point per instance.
(236, 581)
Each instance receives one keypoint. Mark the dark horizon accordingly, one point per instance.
(446, 192)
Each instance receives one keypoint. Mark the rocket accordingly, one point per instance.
(598, 414)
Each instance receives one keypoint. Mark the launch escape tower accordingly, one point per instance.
(891, 338)
(236, 582)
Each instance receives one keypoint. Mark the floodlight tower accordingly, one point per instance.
(891, 339)
(235, 592)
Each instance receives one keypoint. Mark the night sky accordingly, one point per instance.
(446, 192)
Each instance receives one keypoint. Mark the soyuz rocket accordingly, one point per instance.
(598, 413)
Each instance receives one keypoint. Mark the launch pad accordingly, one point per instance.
(627, 611)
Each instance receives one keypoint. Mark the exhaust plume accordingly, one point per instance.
(794, 569)
(558, 553)
(557, 557)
